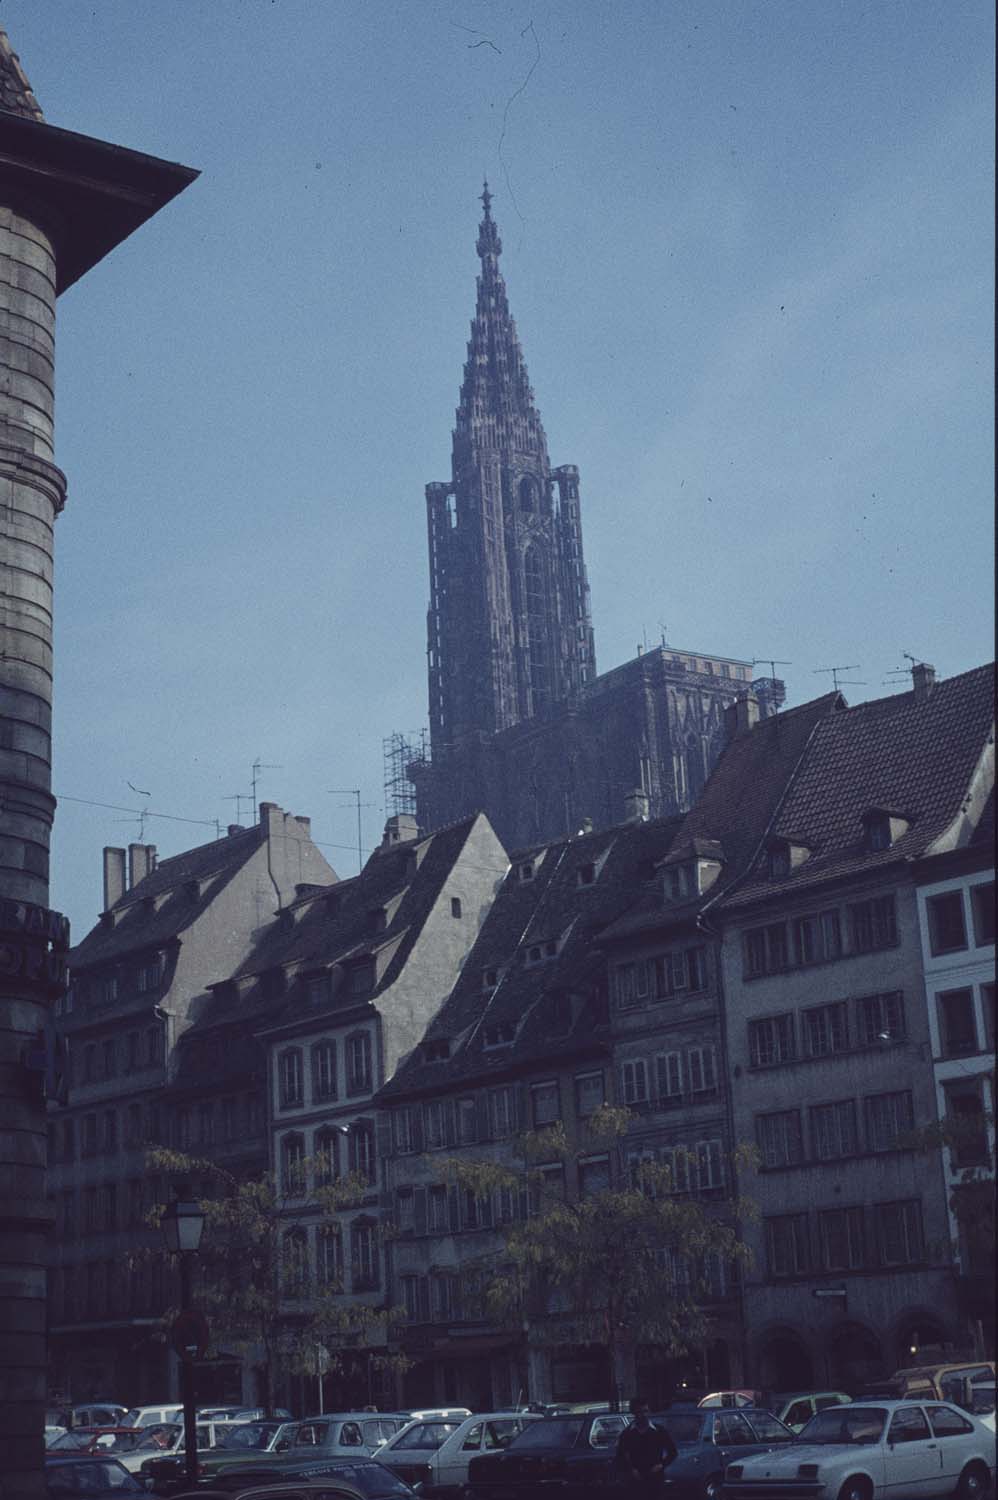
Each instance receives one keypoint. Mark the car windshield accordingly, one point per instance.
(70, 1442)
(556, 1432)
(846, 1424)
(92, 1478)
(253, 1435)
(682, 1427)
(426, 1435)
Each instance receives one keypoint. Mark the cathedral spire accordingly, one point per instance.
(496, 410)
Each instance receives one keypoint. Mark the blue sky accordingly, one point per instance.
(749, 249)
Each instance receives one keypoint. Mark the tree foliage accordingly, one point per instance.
(624, 1266)
(256, 1285)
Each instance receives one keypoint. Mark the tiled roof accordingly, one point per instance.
(735, 809)
(890, 753)
(136, 924)
(334, 925)
(16, 96)
(560, 904)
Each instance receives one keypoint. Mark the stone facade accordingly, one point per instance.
(521, 727)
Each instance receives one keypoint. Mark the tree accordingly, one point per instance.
(627, 1265)
(258, 1288)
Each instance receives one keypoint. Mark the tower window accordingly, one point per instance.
(528, 495)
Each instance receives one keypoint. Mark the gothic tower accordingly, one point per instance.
(509, 629)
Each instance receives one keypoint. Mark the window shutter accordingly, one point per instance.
(423, 1299)
(482, 1116)
(450, 1125)
(416, 1126)
(419, 1210)
(454, 1209)
(520, 1111)
(384, 1136)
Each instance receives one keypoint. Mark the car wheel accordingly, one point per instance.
(712, 1487)
(974, 1482)
(856, 1488)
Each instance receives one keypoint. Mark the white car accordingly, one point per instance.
(436, 1453)
(874, 1450)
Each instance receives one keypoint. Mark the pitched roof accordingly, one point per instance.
(161, 905)
(735, 809)
(16, 94)
(333, 926)
(894, 752)
(577, 886)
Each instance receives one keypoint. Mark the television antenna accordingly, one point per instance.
(353, 791)
(255, 769)
(771, 662)
(847, 681)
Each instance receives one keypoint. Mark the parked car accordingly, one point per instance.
(168, 1439)
(114, 1440)
(222, 1414)
(302, 1489)
(708, 1437)
(87, 1475)
(236, 1442)
(570, 1454)
(947, 1382)
(796, 1408)
(366, 1474)
(733, 1398)
(257, 1414)
(99, 1414)
(891, 1450)
(436, 1454)
(149, 1416)
(336, 1435)
(448, 1413)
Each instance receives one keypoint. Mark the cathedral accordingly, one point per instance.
(521, 725)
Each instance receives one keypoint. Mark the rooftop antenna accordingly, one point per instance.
(661, 626)
(257, 767)
(353, 791)
(847, 681)
(239, 798)
(772, 662)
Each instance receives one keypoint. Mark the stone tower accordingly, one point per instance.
(509, 631)
(65, 201)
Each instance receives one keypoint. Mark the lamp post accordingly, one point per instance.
(182, 1224)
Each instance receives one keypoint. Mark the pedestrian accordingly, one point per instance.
(644, 1452)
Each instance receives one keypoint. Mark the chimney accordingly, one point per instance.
(141, 862)
(740, 716)
(636, 806)
(114, 876)
(235, 828)
(399, 829)
(923, 679)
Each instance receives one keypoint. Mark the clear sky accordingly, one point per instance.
(749, 248)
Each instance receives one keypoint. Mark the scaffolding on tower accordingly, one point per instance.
(400, 751)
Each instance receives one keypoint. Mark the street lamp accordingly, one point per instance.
(182, 1224)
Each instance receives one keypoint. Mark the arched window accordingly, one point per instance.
(528, 494)
(290, 1076)
(293, 1164)
(324, 1070)
(327, 1160)
(535, 604)
(295, 1263)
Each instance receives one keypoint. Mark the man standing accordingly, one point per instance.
(644, 1452)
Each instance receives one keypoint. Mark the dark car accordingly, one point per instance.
(85, 1474)
(709, 1438)
(570, 1454)
(373, 1479)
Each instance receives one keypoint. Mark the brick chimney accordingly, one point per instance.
(114, 876)
(740, 716)
(141, 862)
(636, 806)
(923, 679)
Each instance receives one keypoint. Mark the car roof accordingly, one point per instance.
(279, 1487)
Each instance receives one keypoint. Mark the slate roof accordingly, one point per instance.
(553, 906)
(735, 809)
(16, 95)
(136, 926)
(890, 753)
(332, 925)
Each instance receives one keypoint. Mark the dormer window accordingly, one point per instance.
(677, 882)
(362, 977)
(525, 871)
(490, 978)
(500, 1035)
(437, 1050)
(377, 919)
(882, 829)
(783, 856)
